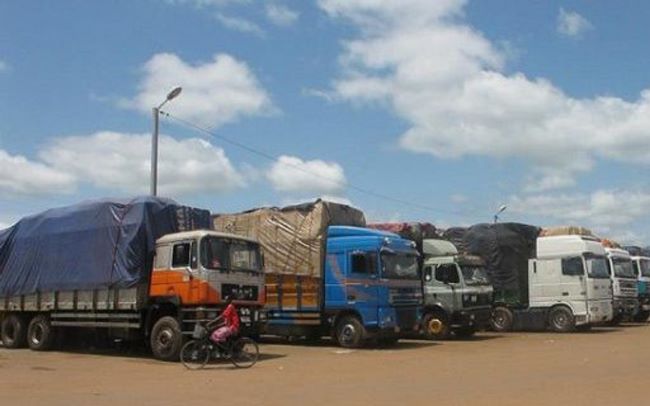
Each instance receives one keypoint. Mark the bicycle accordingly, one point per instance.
(243, 352)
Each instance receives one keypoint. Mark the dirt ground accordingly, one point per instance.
(604, 366)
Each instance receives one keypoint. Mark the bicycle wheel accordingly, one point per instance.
(195, 354)
(245, 353)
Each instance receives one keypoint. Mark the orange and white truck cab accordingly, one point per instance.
(198, 270)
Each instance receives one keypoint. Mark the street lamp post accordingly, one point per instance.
(501, 210)
(154, 139)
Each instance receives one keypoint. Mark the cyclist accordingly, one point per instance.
(230, 325)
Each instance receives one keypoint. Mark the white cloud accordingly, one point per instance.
(611, 213)
(20, 176)
(281, 15)
(572, 24)
(239, 24)
(4, 66)
(118, 161)
(208, 3)
(214, 93)
(292, 174)
(448, 82)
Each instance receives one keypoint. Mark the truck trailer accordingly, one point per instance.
(556, 282)
(457, 294)
(328, 275)
(134, 269)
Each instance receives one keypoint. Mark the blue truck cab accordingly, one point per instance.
(372, 286)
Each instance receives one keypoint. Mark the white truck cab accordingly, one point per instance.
(572, 270)
(641, 266)
(624, 284)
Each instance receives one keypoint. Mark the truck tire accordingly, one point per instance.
(642, 316)
(561, 320)
(13, 331)
(166, 339)
(615, 321)
(435, 326)
(502, 319)
(350, 333)
(40, 334)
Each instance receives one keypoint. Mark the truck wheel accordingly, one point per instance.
(561, 320)
(40, 334)
(166, 339)
(642, 316)
(435, 326)
(350, 332)
(615, 321)
(502, 319)
(14, 331)
(465, 332)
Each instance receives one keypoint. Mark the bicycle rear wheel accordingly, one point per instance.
(245, 353)
(195, 354)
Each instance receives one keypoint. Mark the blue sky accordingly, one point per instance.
(452, 105)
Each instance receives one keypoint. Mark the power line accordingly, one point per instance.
(273, 158)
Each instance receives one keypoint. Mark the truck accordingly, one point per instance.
(329, 275)
(457, 291)
(556, 282)
(641, 265)
(131, 269)
(457, 295)
(624, 283)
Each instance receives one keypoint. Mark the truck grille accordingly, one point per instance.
(240, 292)
(405, 296)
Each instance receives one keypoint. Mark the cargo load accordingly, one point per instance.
(506, 249)
(637, 251)
(292, 237)
(101, 244)
(414, 231)
(566, 230)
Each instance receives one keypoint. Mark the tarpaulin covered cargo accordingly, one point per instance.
(506, 249)
(292, 237)
(92, 245)
(566, 230)
(414, 231)
(636, 251)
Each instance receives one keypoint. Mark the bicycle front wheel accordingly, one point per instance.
(245, 353)
(195, 354)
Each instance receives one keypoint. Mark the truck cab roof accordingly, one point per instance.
(196, 234)
(565, 245)
(617, 252)
(340, 236)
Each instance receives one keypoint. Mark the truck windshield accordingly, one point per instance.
(645, 267)
(220, 253)
(475, 275)
(623, 268)
(597, 266)
(399, 265)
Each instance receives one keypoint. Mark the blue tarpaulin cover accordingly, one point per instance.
(92, 245)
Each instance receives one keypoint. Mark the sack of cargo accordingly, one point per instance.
(292, 237)
(413, 231)
(610, 243)
(101, 244)
(566, 230)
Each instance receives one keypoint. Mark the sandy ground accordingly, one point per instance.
(604, 366)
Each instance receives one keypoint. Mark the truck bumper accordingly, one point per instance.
(644, 303)
(397, 321)
(477, 318)
(598, 312)
(625, 306)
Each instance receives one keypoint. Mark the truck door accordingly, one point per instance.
(448, 281)
(362, 289)
(573, 284)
